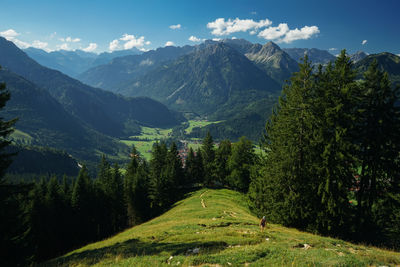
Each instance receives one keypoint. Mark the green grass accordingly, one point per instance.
(225, 233)
(142, 146)
(21, 137)
(153, 133)
(199, 124)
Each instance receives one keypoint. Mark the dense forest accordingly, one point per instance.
(330, 165)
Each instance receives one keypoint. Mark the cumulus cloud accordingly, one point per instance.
(10, 33)
(364, 42)
(221, 27)
(128, 41)
(175, 27)
(64, 46)
(273, 33)
(39, 44)
(90, 48)
(194, 39)
(114, 45)
(169, 43)
(282, 33)
(303, 34)
(69, 39)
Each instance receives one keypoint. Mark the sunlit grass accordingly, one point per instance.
(223, 232)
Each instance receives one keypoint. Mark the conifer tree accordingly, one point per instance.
(208, 154)
(240, 163)
(129, 187)
(285, 189)
(190, 167)
(379, 146)
(221, 161)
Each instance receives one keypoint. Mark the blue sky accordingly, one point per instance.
(371, 26)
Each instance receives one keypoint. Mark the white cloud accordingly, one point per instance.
(273, 33)
(216, 39)
(39, 44)
(114, 45)
(63, 46)
(69, 39)
(169, 43)
(194, 39)
(132, 41)
(282, 33)
(253, 32)
(221, 27)
(148, 43)
(90, 48)
(10, 33)
(364, 42)
(175, 27)
(303, 34)
(19, 43)
(234, 38)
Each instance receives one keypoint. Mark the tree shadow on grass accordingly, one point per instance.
(132, 248)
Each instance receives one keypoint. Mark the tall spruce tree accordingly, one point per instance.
(129, 187)
(222, 155)
(378, 153)
(208, 154)
(335, 112)
(285, 188)
(240, 163)
(8, 204)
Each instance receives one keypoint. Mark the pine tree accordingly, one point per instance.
(158, 182)
(285, 188)
(335, 111)
(129, 187)
(208, 154)
(221, 161)
(240, 163)
(190, 167)
(174, 173)
(379, 146)
(8, 205)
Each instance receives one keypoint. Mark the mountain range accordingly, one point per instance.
(234, 81)
(75, 62)
(58, 111)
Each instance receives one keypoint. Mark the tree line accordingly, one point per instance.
(332, 155)
(47, 218)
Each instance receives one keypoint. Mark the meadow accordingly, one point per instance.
(216, 228)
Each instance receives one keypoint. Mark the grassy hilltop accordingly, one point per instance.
(216, 228)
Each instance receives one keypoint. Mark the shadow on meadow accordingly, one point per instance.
(135, 247)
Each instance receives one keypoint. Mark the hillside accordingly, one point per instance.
(216, 228)
(211, 80)
(46, 123)
(124, 68)
(386, 61)
(103, 111)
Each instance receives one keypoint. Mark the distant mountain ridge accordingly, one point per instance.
(122, 69)
(104, 111)
(317, 56)
(75, 62)
(211, 80)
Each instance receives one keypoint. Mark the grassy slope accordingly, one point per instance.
(226, 234)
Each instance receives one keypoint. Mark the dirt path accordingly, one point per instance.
(203, 204)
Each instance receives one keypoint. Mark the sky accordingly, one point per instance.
(98, 26)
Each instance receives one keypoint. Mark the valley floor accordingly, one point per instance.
(216, 228)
